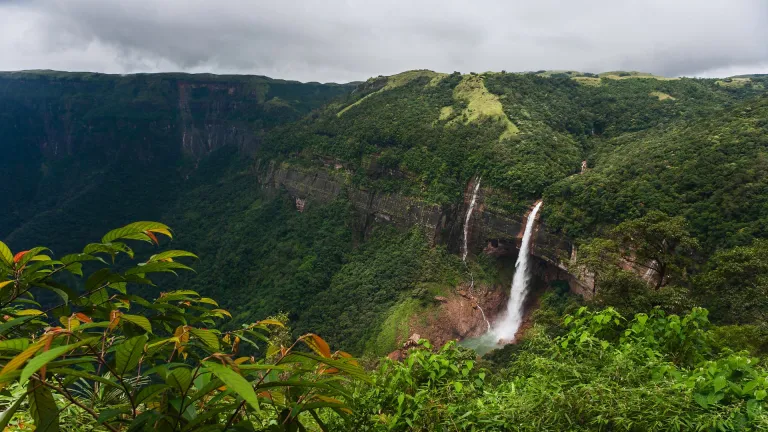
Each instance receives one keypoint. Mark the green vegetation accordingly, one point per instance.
(604, 372)
(481, 105)
(121, 362)
(669, 220)
(712, 171)
(106, 358)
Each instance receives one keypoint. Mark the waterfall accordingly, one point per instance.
(506, 329)
(484, 318)
(480, 308)
(472, 202)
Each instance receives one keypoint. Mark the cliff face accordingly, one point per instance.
(491, 232)
(65, 136)
(69, 114)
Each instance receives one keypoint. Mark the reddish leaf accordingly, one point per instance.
(114, 319)
(151, 235)
(83, 317)
(19, 256)
(317, 344)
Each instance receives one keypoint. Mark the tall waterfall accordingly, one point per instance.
(507, 328)
(472, 203)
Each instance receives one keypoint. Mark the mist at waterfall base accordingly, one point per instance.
(504, 331)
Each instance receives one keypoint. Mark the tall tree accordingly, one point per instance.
(658, 242)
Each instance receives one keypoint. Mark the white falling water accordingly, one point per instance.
(484, 318)
(480, 308)
(507, 328)
(472, 203)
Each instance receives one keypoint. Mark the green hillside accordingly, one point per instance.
(338, 210)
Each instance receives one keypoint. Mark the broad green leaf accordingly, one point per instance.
(46, 357)
(25, 355)
(111, 413)
(146, 393)
(99, 297)
(701, 400)
(221, 312)
(27, 301)
(33, 254)
(138, 320)
(171, 254)
(139, 423)
(208, 300)
(83, 362)
(719, 383)
(175, 295)
(209, 414)
(4, 327)
(43, 408)
(110, 249)
(14, 345)
(6, 255)
(235, 382)
(7, 415)
(204, 390)
(179, 378)
(346, 365)
(82, 374)
(28, 312)
(207, 337)
(79, 258)
(101, 277)
(134, 231)
(128, 354)
(271, 322)
(158, 267)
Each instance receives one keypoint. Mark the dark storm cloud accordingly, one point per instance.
(351, 40)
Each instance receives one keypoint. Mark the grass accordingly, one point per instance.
(482, 104)
(445, 112)
(619, 75)
(549, 73)
(587, 81)
(399, 80)
(733, 82)
(357, 102)
(395, 327)
(661, 96)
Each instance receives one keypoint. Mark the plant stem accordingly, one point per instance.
(72, 399)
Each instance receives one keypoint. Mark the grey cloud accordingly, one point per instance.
(343, 40)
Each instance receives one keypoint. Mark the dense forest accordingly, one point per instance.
(303, 210)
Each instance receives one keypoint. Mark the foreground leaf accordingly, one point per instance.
(43, 359)
(6, 416)
(128, 354)
(236, 383)
(43, 408)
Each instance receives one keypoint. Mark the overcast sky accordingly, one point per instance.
(338, 40)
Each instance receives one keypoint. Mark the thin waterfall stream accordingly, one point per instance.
(465, 245)
(472, 203)
(471, 290)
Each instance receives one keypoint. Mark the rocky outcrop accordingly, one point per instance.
(463, 314)
(145, 117)
(324, 186)
(491, 231)
(206, 124)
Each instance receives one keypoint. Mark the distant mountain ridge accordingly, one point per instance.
(84, 153)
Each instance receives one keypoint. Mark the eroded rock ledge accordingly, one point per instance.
(490, 232)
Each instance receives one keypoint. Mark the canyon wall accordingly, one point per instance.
(491, 232)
